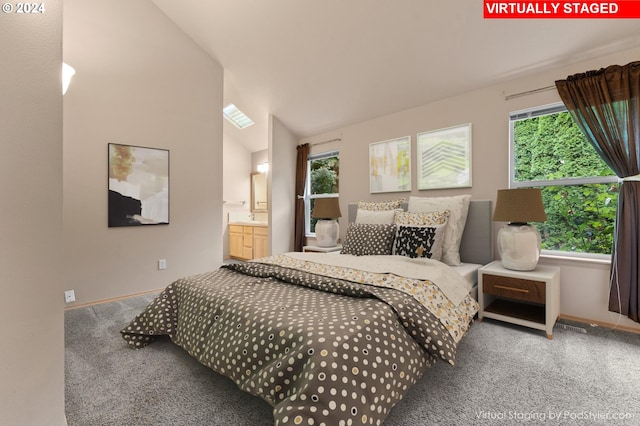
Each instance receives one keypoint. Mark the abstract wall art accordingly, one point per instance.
(390, 165)
(444, 158)
(138, 186)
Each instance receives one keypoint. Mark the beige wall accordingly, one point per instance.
(31, 308)
(141, 81)
(584, 284)
(259, 157)
(281, 186)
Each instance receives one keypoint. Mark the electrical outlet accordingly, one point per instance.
(162, 264)
(69, 296)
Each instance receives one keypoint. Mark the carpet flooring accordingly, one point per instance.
(504, 375)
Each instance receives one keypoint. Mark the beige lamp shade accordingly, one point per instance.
(520, 205)
(326, 208)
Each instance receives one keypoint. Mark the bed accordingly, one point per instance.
(325, 339)
(476, 246)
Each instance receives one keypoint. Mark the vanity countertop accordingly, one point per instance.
(250, 223)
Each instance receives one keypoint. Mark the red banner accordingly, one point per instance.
(623, 9)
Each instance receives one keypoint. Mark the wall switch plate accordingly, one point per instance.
(162, 264)
(69, 296)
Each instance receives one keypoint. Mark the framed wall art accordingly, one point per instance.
(390, 165)
(138, 186)
(444, 158)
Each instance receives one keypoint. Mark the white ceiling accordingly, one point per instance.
(319, 65)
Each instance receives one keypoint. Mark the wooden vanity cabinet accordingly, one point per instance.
(248, 242)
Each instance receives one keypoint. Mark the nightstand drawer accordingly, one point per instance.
(514, 288)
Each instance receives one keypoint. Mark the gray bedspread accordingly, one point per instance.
(320, 350)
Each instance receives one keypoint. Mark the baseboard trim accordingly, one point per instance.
(601, 324)
(113, 299)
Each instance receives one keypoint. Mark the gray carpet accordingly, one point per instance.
(504, 375)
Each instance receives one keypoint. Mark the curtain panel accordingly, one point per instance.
(606, 106)
(301, 181)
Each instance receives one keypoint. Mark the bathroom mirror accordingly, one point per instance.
(259, 193)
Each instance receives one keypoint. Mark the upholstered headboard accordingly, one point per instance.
(477, 242)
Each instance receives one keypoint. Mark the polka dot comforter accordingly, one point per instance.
(321, 350)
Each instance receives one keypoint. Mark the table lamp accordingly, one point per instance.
(519, 242)
(326, 210)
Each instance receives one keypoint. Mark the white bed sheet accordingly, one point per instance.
(468, 270)
(450, 283)
(470, 273)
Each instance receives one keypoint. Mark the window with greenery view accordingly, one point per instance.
(579, 191)
(323, 178)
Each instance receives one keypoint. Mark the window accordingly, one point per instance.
(579, 191)
(237, 117)
(323, 172)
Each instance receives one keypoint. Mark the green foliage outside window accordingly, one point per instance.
(580, 218)
(325, 175)
(324, 179)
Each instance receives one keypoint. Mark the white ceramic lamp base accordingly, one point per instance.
(519, 247)
(326, 232)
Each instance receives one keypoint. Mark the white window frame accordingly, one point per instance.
(307, 190)
(537, 112)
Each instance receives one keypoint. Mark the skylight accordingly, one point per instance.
(237, 117)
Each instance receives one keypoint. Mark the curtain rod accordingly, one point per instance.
(323, 142)
(529, 92)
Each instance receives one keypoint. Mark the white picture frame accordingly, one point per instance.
(444, 158)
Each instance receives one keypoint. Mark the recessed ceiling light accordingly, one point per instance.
(237, 117)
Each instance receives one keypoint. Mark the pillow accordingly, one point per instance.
(420, 241)
(422, 219)
(459, 207)
(374, 216)
(364, 239)
(381, 205)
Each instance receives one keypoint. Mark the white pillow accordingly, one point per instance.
(384, 217)
(459, 207)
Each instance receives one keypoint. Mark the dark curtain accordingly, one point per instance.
(606, 105)
(301, 180)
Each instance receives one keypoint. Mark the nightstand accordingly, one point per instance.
(322, 249)
(527, 298)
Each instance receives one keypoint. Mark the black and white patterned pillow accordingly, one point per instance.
(419, 241)
(365, 239)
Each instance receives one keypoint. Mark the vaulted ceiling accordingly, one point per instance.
(321, 65)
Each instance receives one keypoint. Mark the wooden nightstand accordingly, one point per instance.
(527, 298)
(322, 249)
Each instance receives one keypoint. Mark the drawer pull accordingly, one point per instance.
(503, 287)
